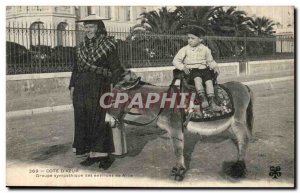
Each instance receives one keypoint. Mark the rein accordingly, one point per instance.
(119, 117)
(142, 124)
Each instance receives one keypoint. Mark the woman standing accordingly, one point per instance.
(96, 67)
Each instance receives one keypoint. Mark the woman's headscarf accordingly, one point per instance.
(91, 51)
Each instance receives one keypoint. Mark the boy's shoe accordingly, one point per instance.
(213, 105)
(204, 102)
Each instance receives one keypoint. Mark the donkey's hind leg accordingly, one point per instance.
(179, 169)
(240, 139)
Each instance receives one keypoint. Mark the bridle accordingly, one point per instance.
(119, 118)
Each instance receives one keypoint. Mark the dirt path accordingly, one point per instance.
(46, 139)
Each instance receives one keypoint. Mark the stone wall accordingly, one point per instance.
(34, 84)
(163, 75)
(263, 67)
(51, 89)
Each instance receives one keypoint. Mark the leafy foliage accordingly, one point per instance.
(213, 21)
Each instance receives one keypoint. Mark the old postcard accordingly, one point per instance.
(150, 96)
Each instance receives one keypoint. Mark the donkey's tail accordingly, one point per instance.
(249, 115)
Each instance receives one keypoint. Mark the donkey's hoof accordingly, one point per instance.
(173, 171)
(179, 173)
(238, 170)
(235, 169)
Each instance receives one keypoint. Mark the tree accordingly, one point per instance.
(153, 39)
(233, 23)
(160, 22)
(152, 35)
(201, 17)
(261, 26)
(230, 22)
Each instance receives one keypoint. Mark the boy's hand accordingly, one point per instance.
(186, 70)
(217, 70)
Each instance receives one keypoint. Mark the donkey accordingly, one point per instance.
(239, 125)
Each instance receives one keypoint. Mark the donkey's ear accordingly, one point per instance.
(126, 76)
(125, 73)
(133, 75)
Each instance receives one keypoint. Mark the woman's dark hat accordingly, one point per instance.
(92, 18)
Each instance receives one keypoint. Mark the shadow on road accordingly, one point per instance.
(138, 137)
(46, 153)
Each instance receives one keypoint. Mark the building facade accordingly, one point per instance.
(283, 16)
(61, 22)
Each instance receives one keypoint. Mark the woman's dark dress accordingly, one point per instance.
(91, 133)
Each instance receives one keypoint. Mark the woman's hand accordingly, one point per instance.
(186, 70)
(71, 92)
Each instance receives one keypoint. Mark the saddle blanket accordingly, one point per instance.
(223, 99)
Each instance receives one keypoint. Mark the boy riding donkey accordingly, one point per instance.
(195, 60)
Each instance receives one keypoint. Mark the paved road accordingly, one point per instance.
(46, 139)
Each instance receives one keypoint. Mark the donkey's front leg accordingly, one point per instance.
(177, 138)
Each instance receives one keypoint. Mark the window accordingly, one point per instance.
(36, 33)
(61, 33)
(89, 10)
(108, 12)
(128, 14)
(117, 13)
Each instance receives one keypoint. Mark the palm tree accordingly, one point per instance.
(262, 26)
(233, 23)
(154, 38)
(201, 17)
(160, 22)
(230, 22)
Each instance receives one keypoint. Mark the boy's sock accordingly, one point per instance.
(204, 102)
(211, 96)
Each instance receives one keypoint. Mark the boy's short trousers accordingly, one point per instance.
(204, 74)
